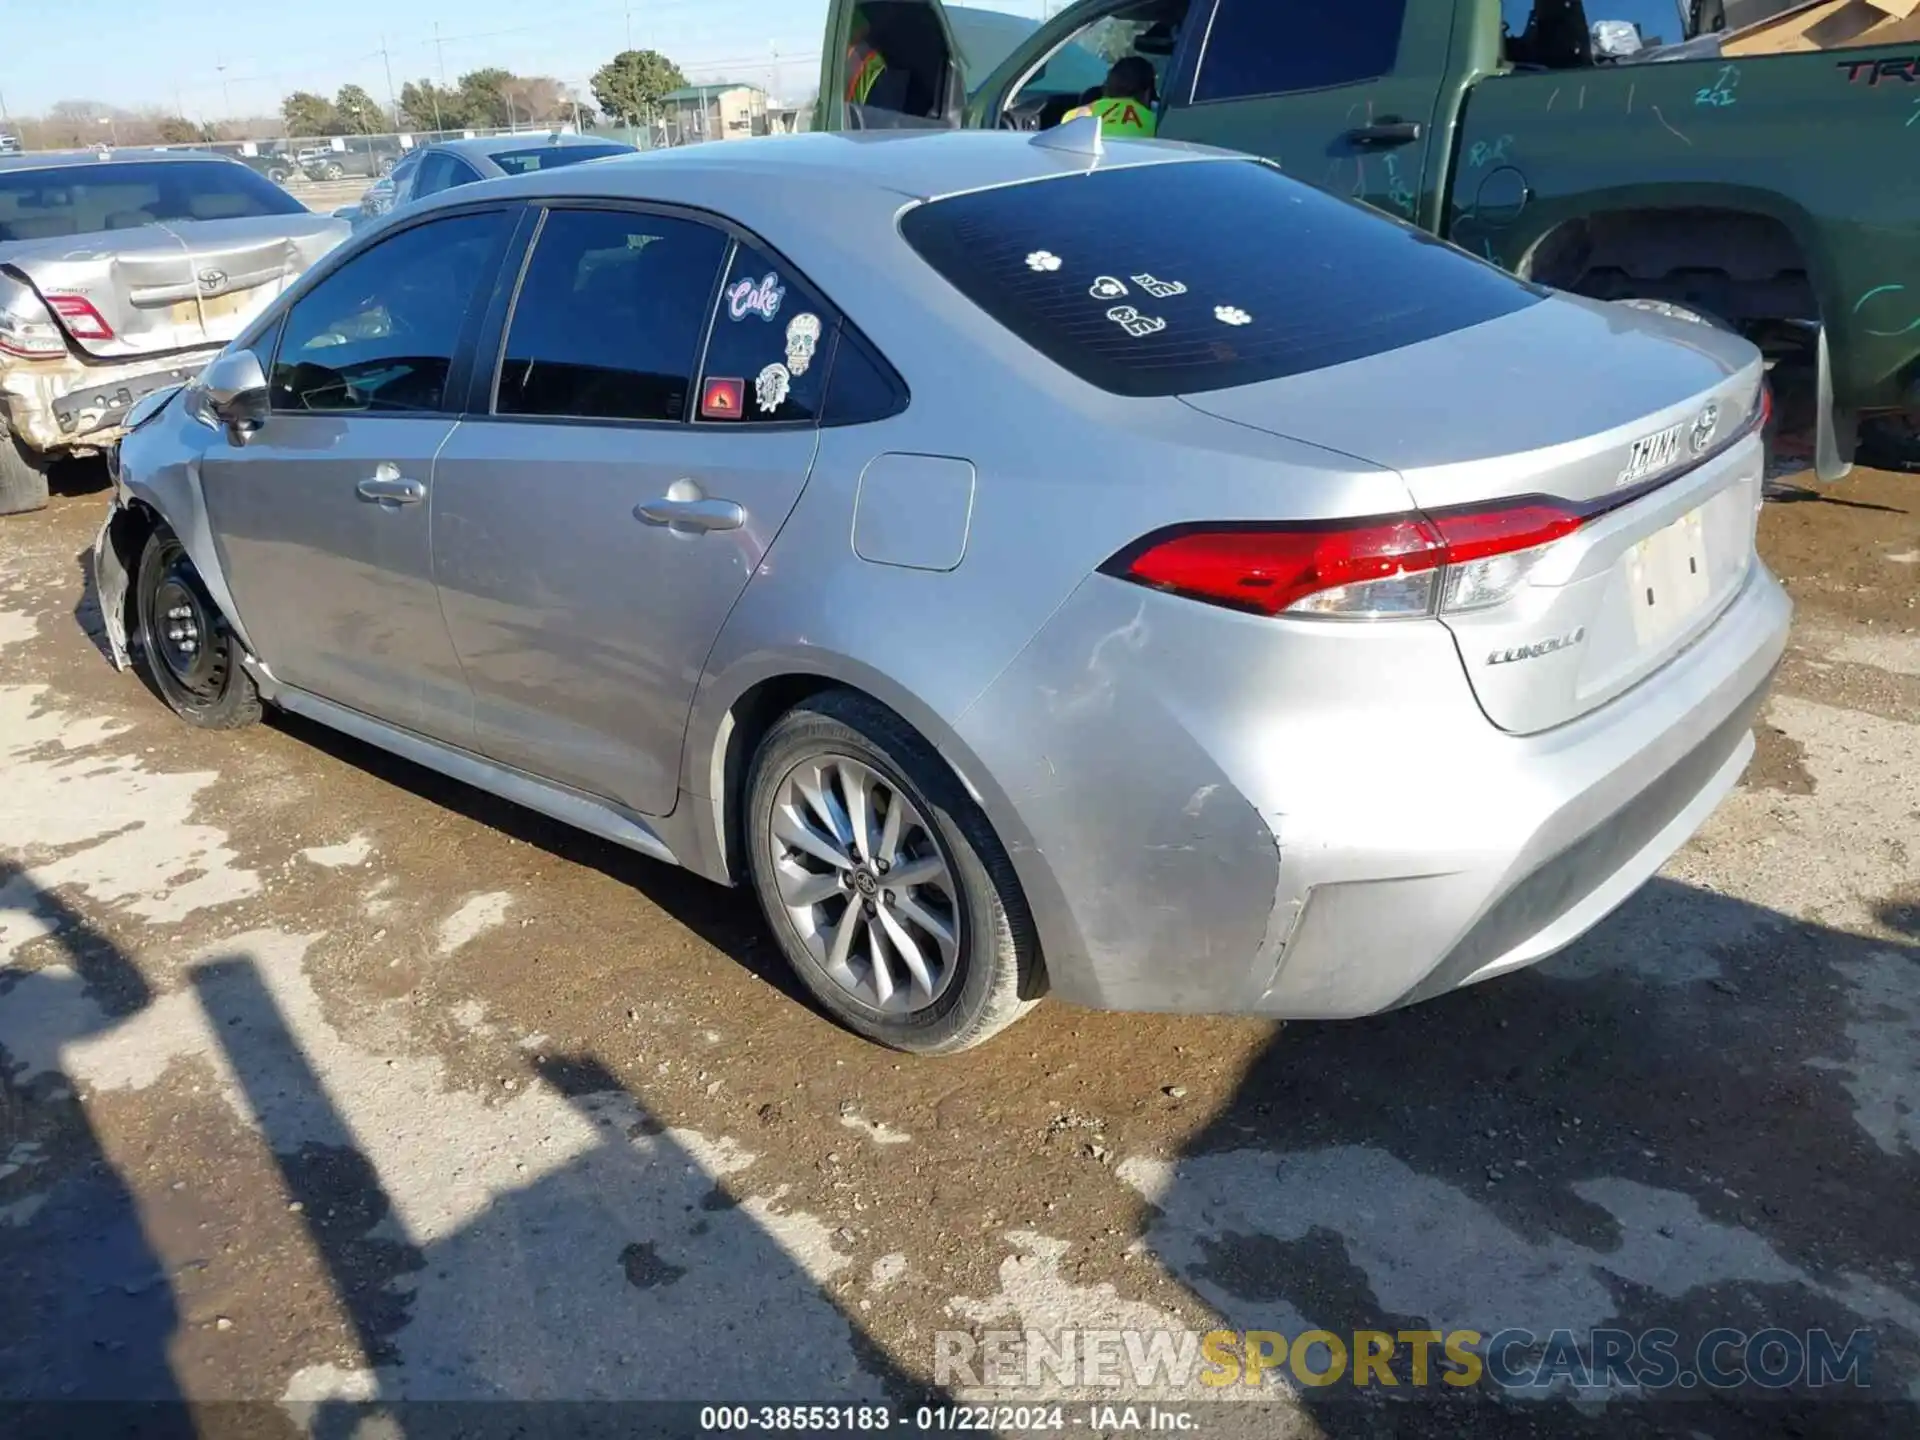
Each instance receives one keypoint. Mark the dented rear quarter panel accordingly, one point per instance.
(173, 295)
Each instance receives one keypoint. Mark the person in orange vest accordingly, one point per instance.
(865, 64)
(1125, 108)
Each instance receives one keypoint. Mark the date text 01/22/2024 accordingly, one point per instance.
(940, 1419)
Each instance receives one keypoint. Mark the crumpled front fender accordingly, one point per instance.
(115, 556)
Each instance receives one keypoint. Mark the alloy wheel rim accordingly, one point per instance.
(866, 884)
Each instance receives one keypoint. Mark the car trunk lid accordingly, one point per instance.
(1638, 424)
(177, 286)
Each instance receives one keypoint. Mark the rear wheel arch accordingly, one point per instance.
(1746, 263)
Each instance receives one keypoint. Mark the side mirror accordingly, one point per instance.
(236, 390)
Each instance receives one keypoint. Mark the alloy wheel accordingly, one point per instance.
(866, 884)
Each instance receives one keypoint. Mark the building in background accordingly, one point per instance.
(722, 111)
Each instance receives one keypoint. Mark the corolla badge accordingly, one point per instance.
(1538, 648)
(1705, 427)
(211, 280)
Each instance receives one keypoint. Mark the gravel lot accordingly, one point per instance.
(324, 1079)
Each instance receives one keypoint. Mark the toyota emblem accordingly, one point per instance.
(211, 280)
(1705, 428)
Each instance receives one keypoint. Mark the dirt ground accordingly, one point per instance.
(324, 1080)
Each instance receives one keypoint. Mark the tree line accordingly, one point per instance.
(625, 91)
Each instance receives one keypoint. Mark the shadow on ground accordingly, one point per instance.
(626, 1272)
(1702, 1116)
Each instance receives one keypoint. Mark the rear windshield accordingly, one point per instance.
(124, 195)
(1179, 278)
(552, 157)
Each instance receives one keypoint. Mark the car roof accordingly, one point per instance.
(916, 164)
(486, 146)
(53, 159)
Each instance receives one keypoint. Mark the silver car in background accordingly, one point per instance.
(121, 274)
(1119, 570)
(430, 169)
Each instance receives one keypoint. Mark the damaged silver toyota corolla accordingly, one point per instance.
(120, 276)
(1105, 567)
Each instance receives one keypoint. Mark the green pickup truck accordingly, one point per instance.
(1621, 153)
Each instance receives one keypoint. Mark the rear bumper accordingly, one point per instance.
(1272, 828)
(65, 404)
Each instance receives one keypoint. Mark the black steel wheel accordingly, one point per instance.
(189, 652)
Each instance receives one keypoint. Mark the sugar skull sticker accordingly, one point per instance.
(1134, 323)
(803, 338)
(770, 388)
(750, 298)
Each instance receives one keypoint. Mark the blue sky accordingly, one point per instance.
(139, 53)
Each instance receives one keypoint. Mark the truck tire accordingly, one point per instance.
(23, 481)
(1891, 442)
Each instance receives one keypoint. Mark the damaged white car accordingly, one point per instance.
(122, 275)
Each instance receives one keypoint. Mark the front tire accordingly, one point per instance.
(190, 654)
(23, 480)
(885, 885)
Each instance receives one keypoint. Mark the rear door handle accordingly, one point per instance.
(1386, 133)
(392, 489)
(686, 507)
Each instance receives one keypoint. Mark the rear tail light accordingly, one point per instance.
(26, 328)
(1391, 568)
(83, 322)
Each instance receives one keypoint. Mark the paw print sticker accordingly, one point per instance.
(1231, 315)
(1041, 261)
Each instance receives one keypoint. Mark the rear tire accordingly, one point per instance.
(23, 480)
(958, 960)
(189, 652)
(1891, 442)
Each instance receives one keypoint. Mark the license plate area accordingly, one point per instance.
(1668, 579)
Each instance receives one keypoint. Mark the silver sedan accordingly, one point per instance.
(1107, 568)
(428, 170)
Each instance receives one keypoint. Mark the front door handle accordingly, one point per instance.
(392, 489)
(1385, 134)
(685, 506)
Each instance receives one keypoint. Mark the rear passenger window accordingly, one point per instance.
(1255, 47)
(610, 317)
(772, 347)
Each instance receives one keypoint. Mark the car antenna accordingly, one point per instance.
(1076, 137)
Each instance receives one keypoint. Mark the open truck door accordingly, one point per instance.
(1346, 97)
(921, 82)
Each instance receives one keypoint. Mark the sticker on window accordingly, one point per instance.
(760, 298)
(1107, 288)
(803, 338)
(1134, 323)
(1231, 315)
(723, 399)
(1041, 261)
(1159, 289)
(770, 389)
